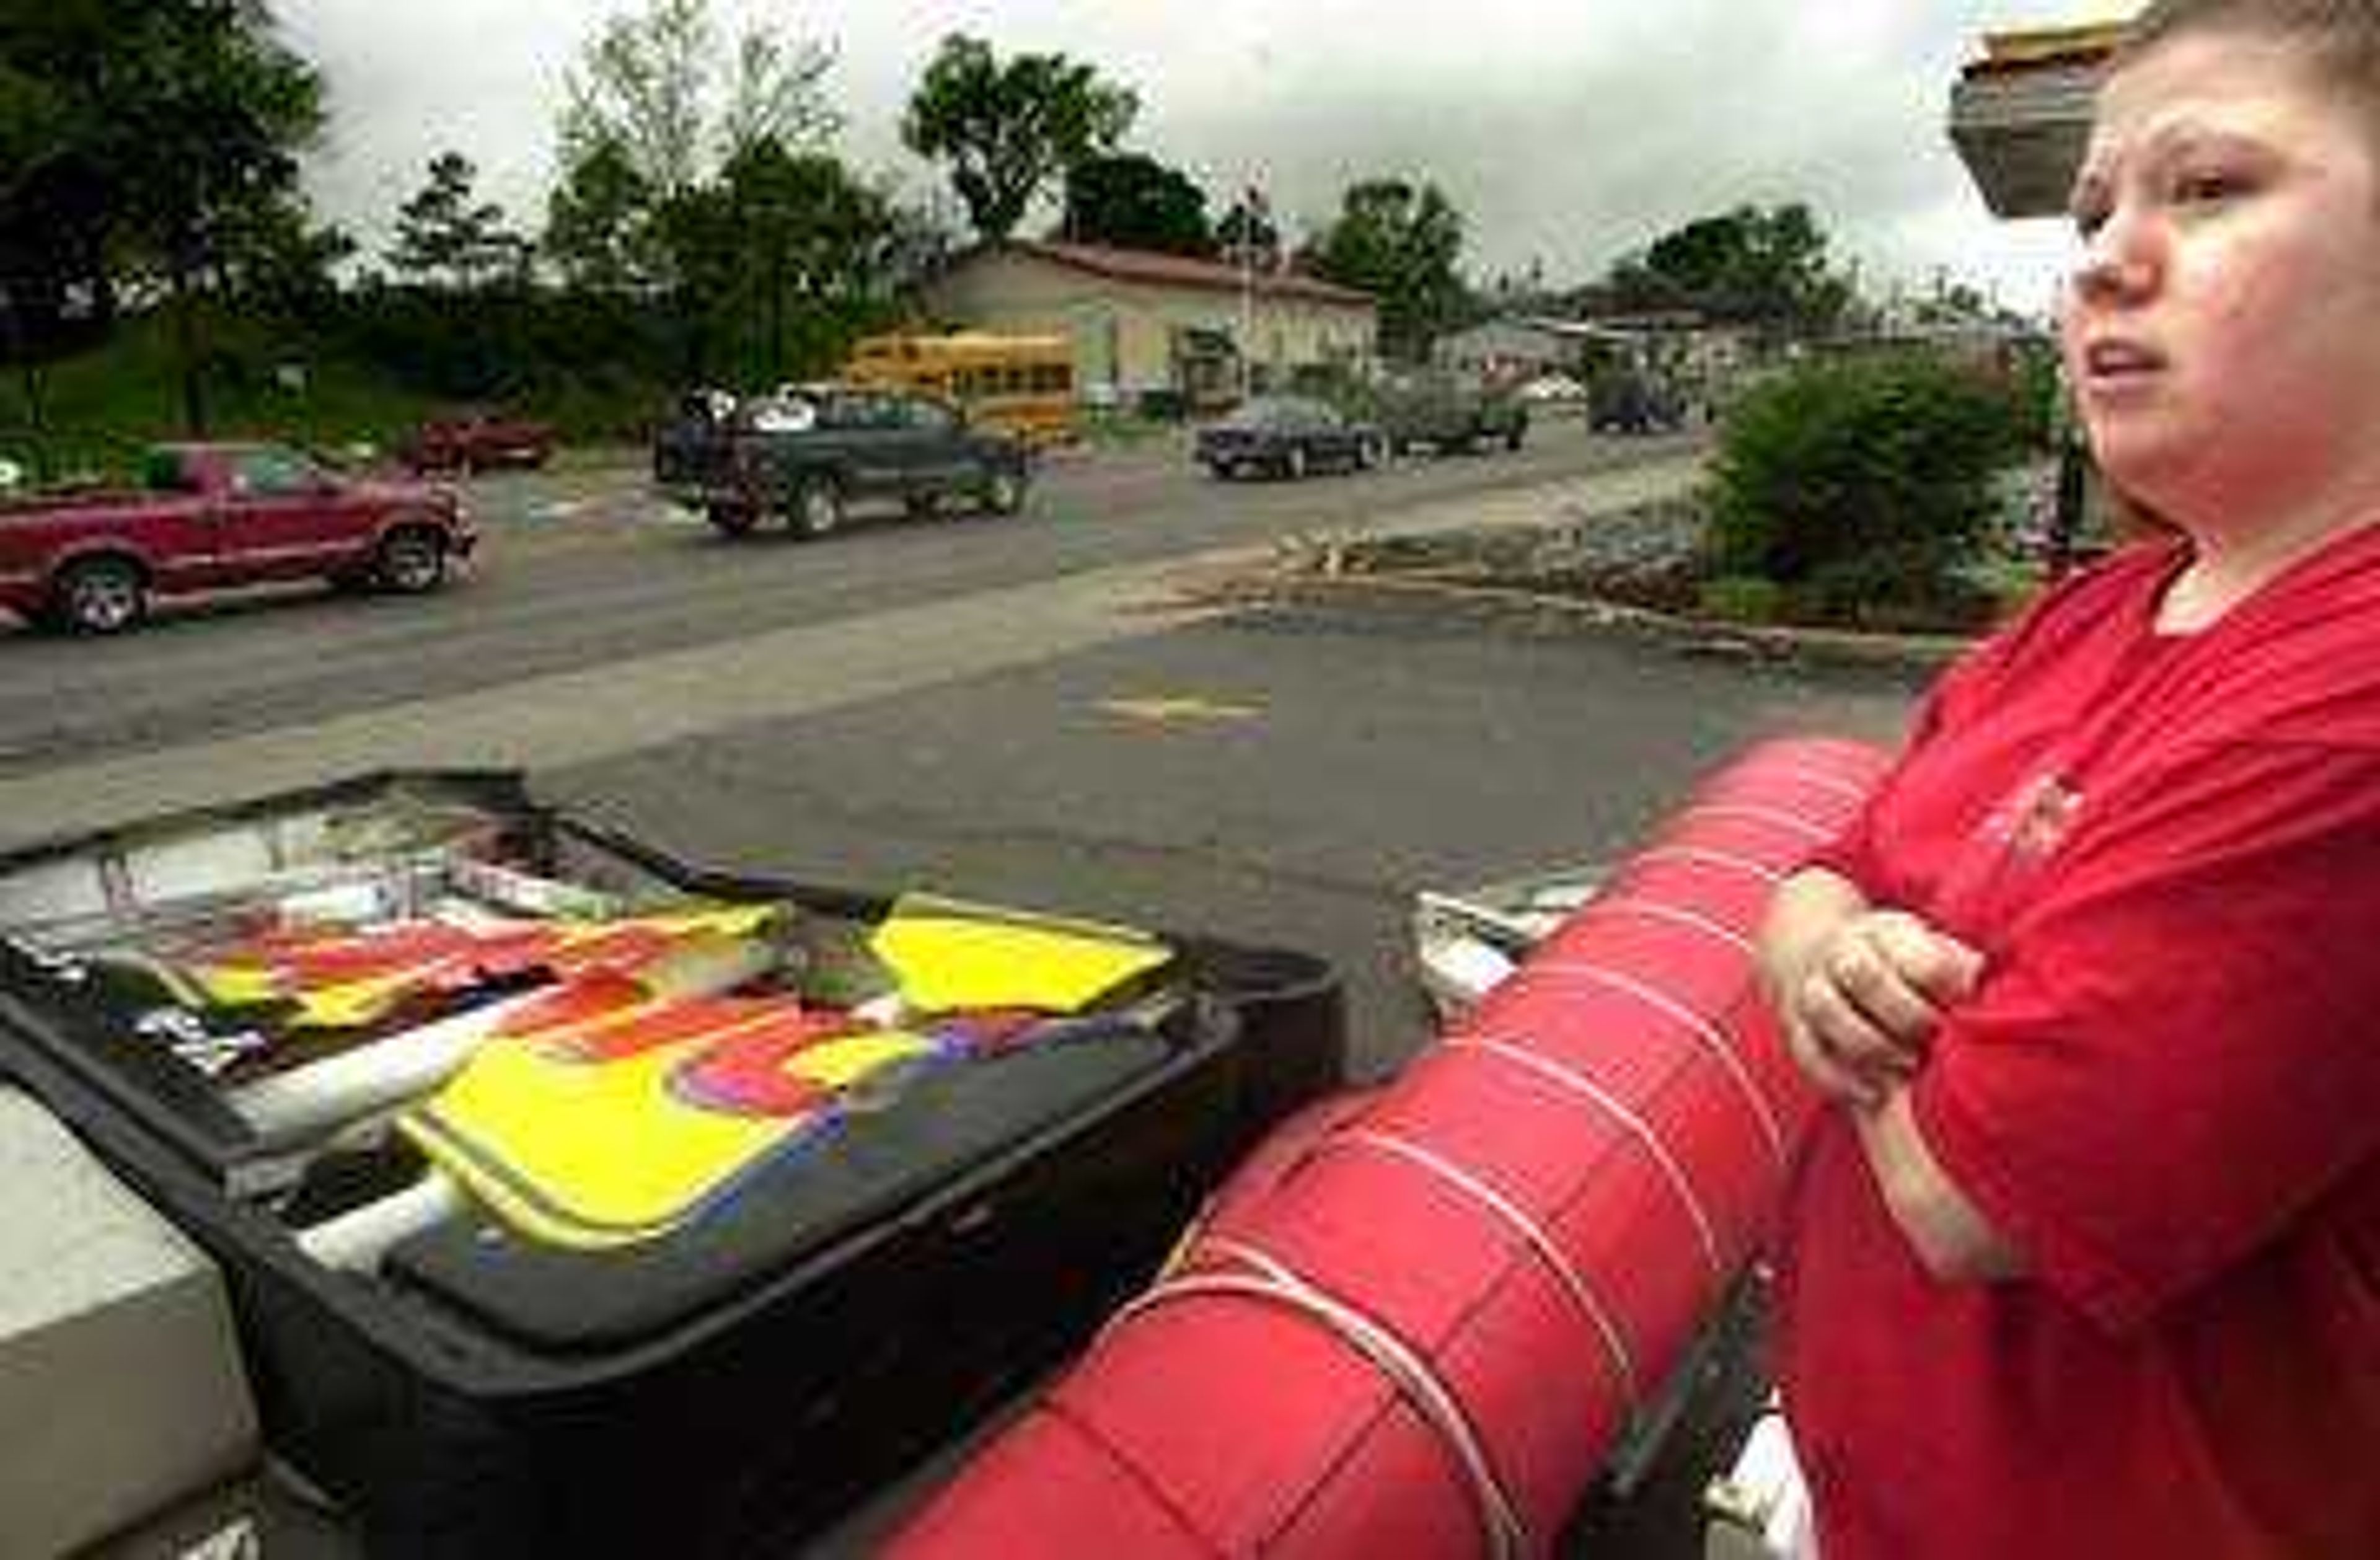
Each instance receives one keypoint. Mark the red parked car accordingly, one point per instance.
(477, 441)
(214, 516)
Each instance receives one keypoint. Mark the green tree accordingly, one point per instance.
(156, 128)
(1134, 201)
(652, 127)
(807, 243)
(648, 89)
(1007, 130)
(598, 224)
(1633, 286)
(640, 96)
(776, 95)
(56, 202)
(1766, 267)
(279, 263)
(446, 239)
(918, 246)
(1400, 242)
(774, 264)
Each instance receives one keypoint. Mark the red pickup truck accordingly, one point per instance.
(477, 441)
(214, 516)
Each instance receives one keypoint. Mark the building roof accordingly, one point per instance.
(1611, 323)
(2019, 115)
(1181, 270)
(2045, 48)
(1628, 326)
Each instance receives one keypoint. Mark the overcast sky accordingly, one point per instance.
(1566, 131)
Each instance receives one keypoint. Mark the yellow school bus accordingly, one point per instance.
(1019, 385)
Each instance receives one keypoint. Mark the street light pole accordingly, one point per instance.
(1247, 317)
(1256, 218)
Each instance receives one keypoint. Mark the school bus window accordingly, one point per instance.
(1020, 385)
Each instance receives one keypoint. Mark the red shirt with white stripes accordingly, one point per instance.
(2165, 1092)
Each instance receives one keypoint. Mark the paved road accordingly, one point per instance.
(599, 621)
(1007, 710)
(1285, 779)
(585, 569)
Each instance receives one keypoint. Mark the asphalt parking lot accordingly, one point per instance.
(1288, 776)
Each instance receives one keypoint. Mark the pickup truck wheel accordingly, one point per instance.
(1368, 454)
(411, 559)
(732, 519)
(1512, 440)
(100, 596)
(818, 509)
(1003, 491)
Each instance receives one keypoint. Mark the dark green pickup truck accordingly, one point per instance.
(1449, 411)
(807, 454)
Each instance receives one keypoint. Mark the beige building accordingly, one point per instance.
(1681, 345)
(1146, 323)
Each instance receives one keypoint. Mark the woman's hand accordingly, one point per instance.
(1868, 999)
(1859, 991)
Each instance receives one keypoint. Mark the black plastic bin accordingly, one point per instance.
(734, 1385)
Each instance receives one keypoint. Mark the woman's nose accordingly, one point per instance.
(2119, 263)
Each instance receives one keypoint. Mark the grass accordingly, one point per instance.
(100, 409)
(1123, 429)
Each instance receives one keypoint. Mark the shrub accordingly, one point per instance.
(1741, 598)
(2039, 393)
(1891, 590)
(1860, 486)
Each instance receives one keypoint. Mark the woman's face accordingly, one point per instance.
(2223, 330)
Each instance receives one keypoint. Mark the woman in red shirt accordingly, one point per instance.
(2087, 1262)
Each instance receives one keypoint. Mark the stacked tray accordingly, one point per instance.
(571, 1194)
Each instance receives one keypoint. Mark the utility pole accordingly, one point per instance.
(1248, 318)
(1252, 203)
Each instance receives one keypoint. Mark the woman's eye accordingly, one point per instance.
(2088, 220)
(2205, 189)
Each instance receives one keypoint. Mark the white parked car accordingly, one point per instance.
(1553, 389)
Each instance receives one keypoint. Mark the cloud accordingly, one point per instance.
(1567, 131)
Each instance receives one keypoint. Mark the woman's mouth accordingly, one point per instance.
(2117, 361)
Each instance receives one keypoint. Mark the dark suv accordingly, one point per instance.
(1451, 412)
(1632, 401)
(807, 454)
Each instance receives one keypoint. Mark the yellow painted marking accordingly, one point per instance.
(1168, 709)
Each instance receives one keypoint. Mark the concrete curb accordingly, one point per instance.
(1690, 636)
(1327, 571)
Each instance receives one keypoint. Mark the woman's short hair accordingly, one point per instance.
(2340, 39)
